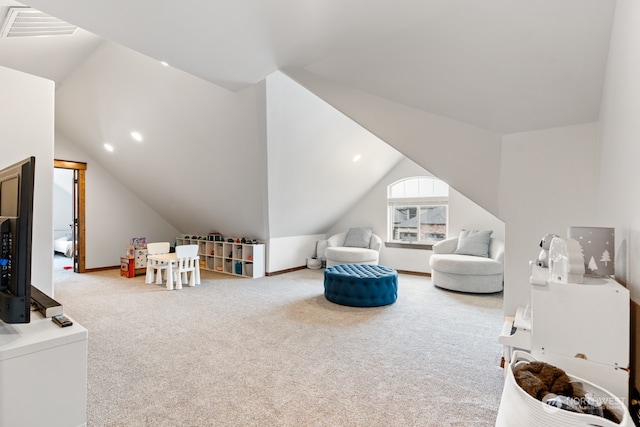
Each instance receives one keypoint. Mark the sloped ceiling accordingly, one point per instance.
(500, 65)
(199, 164)
(503, 65)
(311, 193)
(53, 58)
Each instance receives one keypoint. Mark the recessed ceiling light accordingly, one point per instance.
(108, 147)
(164, 63)
(137, 136)
(357, 157)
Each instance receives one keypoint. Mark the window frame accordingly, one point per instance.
(418, 202)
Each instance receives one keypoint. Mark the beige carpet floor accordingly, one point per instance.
(274, 352)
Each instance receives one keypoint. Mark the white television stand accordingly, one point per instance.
(43, 374)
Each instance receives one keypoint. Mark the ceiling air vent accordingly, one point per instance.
(28, 22)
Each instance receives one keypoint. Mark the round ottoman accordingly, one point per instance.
(361, 285)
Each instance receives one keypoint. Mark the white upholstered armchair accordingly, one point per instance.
(358, 246)
(461, 270)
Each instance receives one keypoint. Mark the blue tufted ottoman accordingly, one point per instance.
(361, 285)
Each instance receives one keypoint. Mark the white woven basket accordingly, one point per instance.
(519, 409)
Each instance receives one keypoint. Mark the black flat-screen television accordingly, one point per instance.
(16, 223)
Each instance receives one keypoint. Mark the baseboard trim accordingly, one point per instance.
(93, 270)
(288, 270)
(414, 273)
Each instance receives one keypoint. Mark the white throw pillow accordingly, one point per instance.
(358, 237)
(474, 242)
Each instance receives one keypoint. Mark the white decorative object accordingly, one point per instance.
(539, 275)
(566, 264)
(545, 244)
(314, 263)
(597, 245)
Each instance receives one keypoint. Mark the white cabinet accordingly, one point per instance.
(238, 259)
(43, 372)
(584, 329)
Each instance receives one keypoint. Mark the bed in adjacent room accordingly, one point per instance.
(64, 246)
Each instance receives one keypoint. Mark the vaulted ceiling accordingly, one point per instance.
(502, 65)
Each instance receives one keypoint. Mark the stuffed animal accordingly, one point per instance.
(540, 378)
(553, 386)
(543, 256)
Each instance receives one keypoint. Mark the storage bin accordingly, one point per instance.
(519, 409)
(126, 267)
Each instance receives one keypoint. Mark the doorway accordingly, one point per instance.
(77, 224)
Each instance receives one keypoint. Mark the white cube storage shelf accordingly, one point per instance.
(237, 259)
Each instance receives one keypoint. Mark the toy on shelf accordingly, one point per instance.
(130, 251)
(545, 244)
(560, 260)
(139, 242)
(215, 237)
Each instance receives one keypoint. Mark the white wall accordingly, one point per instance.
(311, 173)
(284, 253)
(465, 156)
(371, 211)
(619, 204)
(113, 214)
(549, 182)
(465, 214)
(27, 129)
(311, 176)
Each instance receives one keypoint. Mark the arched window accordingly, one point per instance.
(417, 210)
